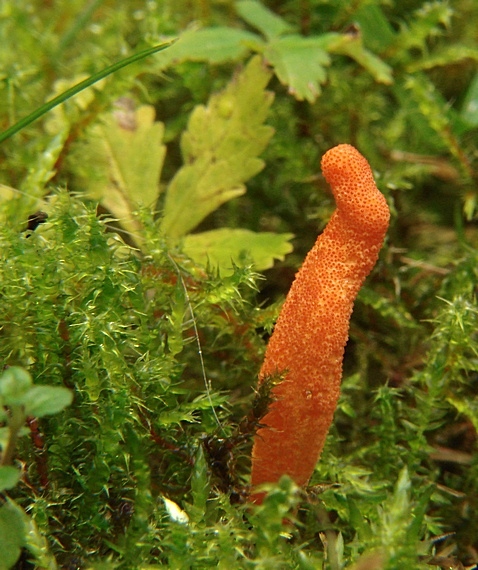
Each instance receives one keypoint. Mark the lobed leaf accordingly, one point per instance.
(129, 157)
(227, 247)
(299, 63)
(220, 150)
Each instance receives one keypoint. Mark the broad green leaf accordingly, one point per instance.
(129, 157)
(226, 247)
(9, 477)
(259, 17)
(15, 382)
(220, 150)
(45, 400)
(299, 63)
(12, 534)
(214, 45)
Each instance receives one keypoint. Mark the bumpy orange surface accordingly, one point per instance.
(307, 345)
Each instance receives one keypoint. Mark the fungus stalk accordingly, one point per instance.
(307, 346)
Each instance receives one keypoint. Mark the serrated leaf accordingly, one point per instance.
(220, 149)
(258, 16)
(226, 247)
(129, 157)
(299, 63)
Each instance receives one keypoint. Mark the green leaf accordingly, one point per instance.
(129, 156)
(375, 28)
(258, 16)
(9, 477)
(45, 400)
(352, 46)
(11, 534)
(226, 247)
(15, 382)
(220, 149)
(214, 45)
(299, 63)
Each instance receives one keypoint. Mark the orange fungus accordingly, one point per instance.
(307, 346)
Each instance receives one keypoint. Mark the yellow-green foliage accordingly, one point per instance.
(173, 175)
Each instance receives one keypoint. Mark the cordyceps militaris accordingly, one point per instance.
(307, 346)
